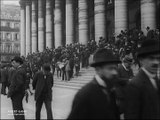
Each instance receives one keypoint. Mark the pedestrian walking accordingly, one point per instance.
(96, 100)
(0, 79)
(11, 71)
(4, 79)
(77, 66)
(42, 84)
(143, 91)
(17, 88)
(68, 69)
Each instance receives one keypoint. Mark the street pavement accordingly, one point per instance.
(61, 105)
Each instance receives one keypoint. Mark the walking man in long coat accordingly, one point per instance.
(43, 83)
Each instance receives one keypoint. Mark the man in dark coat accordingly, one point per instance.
(17, 88)
(4, 77)
(0, 79)
(143, 91)
(124, 70)
(43, 83)
(11, 71)
(125, 73)
(96, 100)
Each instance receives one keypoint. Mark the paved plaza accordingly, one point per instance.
(61, 105)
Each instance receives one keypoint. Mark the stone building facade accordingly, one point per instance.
(53, 23)
(9, 32)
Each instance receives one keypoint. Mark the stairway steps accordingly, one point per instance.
(85, 76)
(68, 87)
(76, 81)
(69, 84)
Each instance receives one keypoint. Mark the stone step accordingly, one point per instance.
(81, 82)
(85, 76)
(79, 79)
(68, 87)
(69, 84)
(76, 81)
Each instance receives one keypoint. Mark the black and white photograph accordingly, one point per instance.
(79, 59)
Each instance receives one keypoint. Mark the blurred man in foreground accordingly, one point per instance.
(96, 100)
(143, 92)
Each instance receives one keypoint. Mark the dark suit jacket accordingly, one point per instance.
(39, 82)
(18, 82)
(0, 76)
(10, 74)
(142, 99)
(4, 76)
(123, 74)
(92, 103)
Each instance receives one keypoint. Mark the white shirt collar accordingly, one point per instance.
(151, 78)
(100, 81)
(150, 75)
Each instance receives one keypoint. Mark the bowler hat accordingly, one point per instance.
(104, 56)
(149, 47)
(18, 59)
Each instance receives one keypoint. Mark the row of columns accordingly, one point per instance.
(148, 15)
(41, 19)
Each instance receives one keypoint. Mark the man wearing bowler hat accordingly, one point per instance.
(17, 88)
(143, 91)
(96, 100)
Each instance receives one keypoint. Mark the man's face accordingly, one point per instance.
(15, 64)
(127, 64)
(12, 63)
(151, 63)
(108, 71)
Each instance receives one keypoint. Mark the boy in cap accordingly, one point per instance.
(124, 69)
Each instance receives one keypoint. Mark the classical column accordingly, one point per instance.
(69, 22)
(121, 20)
(99, 19)
(83, 21)
(34, 25)
(58, 23)
(41, 25)
(49, 24)
(23, 29)
(12, 48)
(28, 27)
(148, 15)
(13, 36)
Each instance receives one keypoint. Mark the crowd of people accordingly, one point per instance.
(66, 62)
